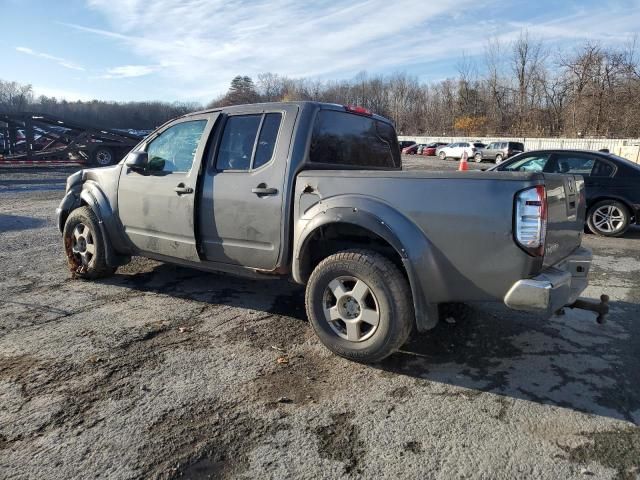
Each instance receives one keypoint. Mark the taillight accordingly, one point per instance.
(358, 110)
(531, 219)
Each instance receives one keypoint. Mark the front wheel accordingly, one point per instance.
(608, 218)
(498, 159)
(84, 245)
(359, 305)
(442, 156)
(478, 157)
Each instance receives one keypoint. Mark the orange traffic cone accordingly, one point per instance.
(464, 165)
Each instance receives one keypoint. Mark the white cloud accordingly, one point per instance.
(129, 71)
(60, 93)
(60, 61)
(201, 44)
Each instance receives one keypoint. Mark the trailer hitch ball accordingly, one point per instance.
(601, 307)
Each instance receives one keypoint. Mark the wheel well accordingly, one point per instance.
(65, 213)
(335, 237)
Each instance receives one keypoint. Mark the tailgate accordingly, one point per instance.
(566, 207)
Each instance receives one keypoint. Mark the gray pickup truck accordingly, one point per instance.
(316, 192)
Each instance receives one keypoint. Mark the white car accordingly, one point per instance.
(456, 150)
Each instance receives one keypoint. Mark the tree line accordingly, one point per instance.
(518, 89)
(16, 97)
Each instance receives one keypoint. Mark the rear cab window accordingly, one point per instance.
(347, 139)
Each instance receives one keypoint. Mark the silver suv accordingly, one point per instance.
(498, 151)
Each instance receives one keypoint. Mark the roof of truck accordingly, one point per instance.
(301, 104)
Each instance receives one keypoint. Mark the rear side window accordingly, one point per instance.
(239, 149)
(341, 138)
(267, 140)
(567, 163)
(602, 169)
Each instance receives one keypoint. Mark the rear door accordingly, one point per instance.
(156, 207)
(241, 211)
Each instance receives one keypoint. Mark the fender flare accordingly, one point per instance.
(97, 201)
(414, 249)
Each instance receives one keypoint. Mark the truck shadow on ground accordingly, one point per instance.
(10, 223)
(568, 361)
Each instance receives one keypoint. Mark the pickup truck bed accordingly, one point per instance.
(456, 227)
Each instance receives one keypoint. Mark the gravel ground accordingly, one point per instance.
(166, 372)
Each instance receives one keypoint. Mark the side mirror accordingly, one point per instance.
(137, 161)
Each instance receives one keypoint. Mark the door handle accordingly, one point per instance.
(262, 189)
(182, 190)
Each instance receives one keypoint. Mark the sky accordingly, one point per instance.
(189, 50)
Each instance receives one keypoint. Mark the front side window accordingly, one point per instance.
(175, 148)
(535, 163)
(342, 138)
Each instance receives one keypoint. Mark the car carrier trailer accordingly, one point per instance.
(27, 137)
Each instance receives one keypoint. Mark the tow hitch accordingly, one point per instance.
(601, 307)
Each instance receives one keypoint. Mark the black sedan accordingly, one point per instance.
(612, 184)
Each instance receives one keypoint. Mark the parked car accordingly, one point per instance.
(405, 143)
(456, 150)
(431, 148)
(612, 184)
(316, 192)
(412, 149)
(499, 151)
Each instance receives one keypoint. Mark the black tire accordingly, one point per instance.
(103, 157)
(478, 157)
(498, 159)
(85, 262)
(442, 156)
(616, 221)
(390, 296)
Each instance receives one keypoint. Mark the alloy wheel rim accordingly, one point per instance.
(608, 218)
(83, 246)
(351, 309)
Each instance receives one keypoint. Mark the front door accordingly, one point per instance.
(156, 207)
(241, 213)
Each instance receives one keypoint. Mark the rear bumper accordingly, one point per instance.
(554, 288)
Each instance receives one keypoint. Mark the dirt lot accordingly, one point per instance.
(163, 372)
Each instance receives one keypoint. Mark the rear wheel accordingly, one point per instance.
(608, 218)
(359, 305)
(84, 246)
(498, 159)
(478, 157)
